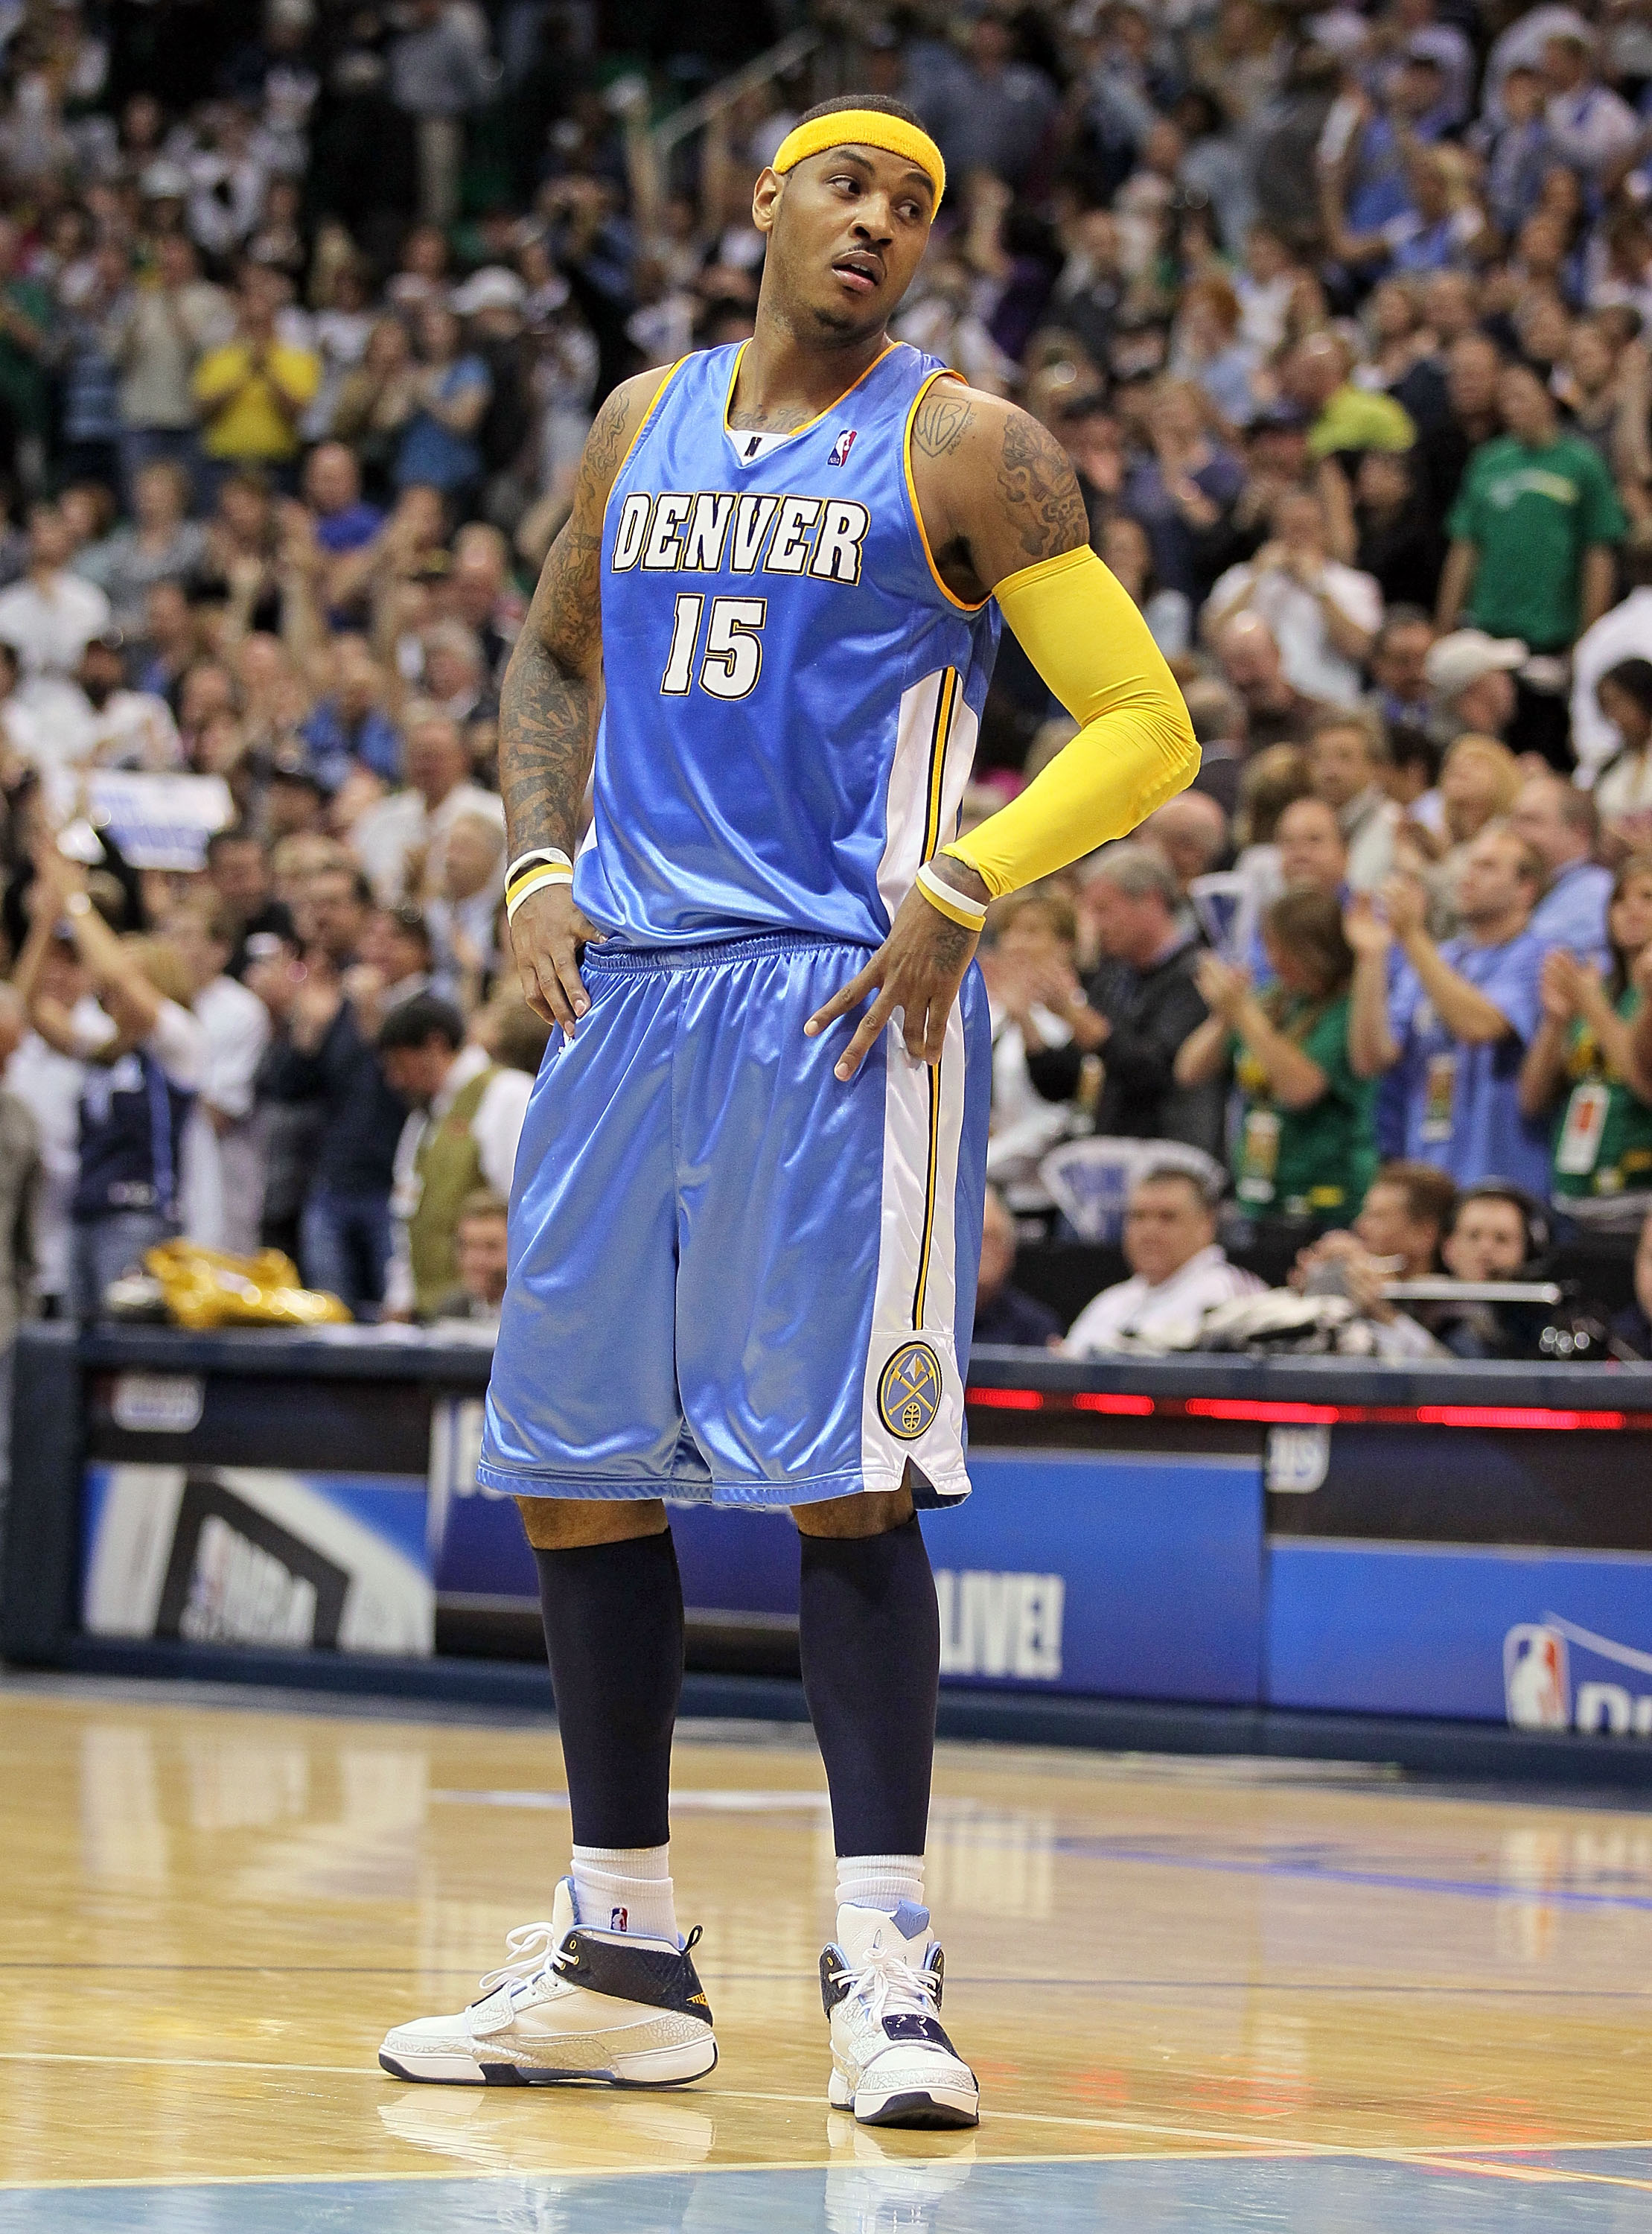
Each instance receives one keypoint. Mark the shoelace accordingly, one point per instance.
(889, 1980)
(533, 1948)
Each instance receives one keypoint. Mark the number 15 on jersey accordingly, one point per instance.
(732, 658)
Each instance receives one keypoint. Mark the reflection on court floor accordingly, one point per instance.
(1551, 2194)
(1204, 1997)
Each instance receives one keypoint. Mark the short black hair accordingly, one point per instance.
(1533, 1215)
(1633, 678)
(877, 100)
(415, 1021)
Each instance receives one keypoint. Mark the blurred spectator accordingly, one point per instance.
(1302, 1146)
(1403, 695)
(1472, 678)
(414, 822)
(162, 543)
(1633, 1326)
(1323, 615)
(238, 871)
(480, 1260)
(1002, 1314)
(1276, 712)
(252, 390)
(1178, 1271)
(1622, 790)
(1460, 1015)
(20, 1181)
(1220, 726)
(439, 70)
(159, 333)
(439, 449)
(320, 1058)
(1561, 827)
(223, 1148)
(1622, 632)
(1533, 532)
(141, 1049)
(1498, 1234)
(1346, 757)
(1135, 1011)
(49, 618)
(467, 1119)
(1579, 1068)
(1032, 994)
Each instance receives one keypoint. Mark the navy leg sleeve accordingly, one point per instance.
(870, 1632)
(613, 1629)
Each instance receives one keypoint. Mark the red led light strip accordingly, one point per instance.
(1273, 1412)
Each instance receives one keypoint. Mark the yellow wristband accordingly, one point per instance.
(968, 914)
(532, 881)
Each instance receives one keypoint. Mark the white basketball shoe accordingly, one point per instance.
(891, 2063)
(570, 2004)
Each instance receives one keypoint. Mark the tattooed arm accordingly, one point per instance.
(548, 709)
(1003, 514)
(996, 492)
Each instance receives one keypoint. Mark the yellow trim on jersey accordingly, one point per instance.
(792, 433)
(671, 373)
(1135, 747)
(920, 1289)
(946, 705)
(863, 127)
(911, 492)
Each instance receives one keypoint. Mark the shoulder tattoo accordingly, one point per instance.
(944, 419)
(1039, 489)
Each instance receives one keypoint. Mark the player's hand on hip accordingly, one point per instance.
(918, 969)
(547, 934)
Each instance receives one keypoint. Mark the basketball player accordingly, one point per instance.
(745, 1232)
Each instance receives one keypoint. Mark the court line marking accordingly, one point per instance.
(1083, 1849)
(1444, 2159)
(1227, 2136)
(955, 1978)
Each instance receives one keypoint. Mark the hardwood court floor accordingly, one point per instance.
(1198, 1994)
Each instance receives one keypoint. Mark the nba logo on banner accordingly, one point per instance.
(842, 447)
(1536, 1681)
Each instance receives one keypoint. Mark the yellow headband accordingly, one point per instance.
(866, 128)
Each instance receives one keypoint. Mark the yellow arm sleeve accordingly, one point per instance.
(1135, 746)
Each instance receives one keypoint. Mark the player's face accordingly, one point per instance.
(847, 230)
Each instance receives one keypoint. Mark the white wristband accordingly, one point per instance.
(532, 880)
(950, 900)
(552, 856)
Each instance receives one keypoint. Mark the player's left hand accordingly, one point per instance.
(918, 969)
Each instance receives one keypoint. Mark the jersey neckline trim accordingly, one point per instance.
(791, 434)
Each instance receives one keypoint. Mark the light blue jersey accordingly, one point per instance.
(734, 1276)
(793, 695)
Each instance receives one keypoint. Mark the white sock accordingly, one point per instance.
(626, 1889)
(880, 1881)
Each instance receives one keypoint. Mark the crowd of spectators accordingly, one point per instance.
(304, 311)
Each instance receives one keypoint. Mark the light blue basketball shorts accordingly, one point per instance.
(735, 1279)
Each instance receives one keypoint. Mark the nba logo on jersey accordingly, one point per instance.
(842, 447)
(618, 1918)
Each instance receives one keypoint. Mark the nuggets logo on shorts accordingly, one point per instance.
(908, 1395)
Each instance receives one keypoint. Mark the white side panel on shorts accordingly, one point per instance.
(917, 1291)
(922, 814)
